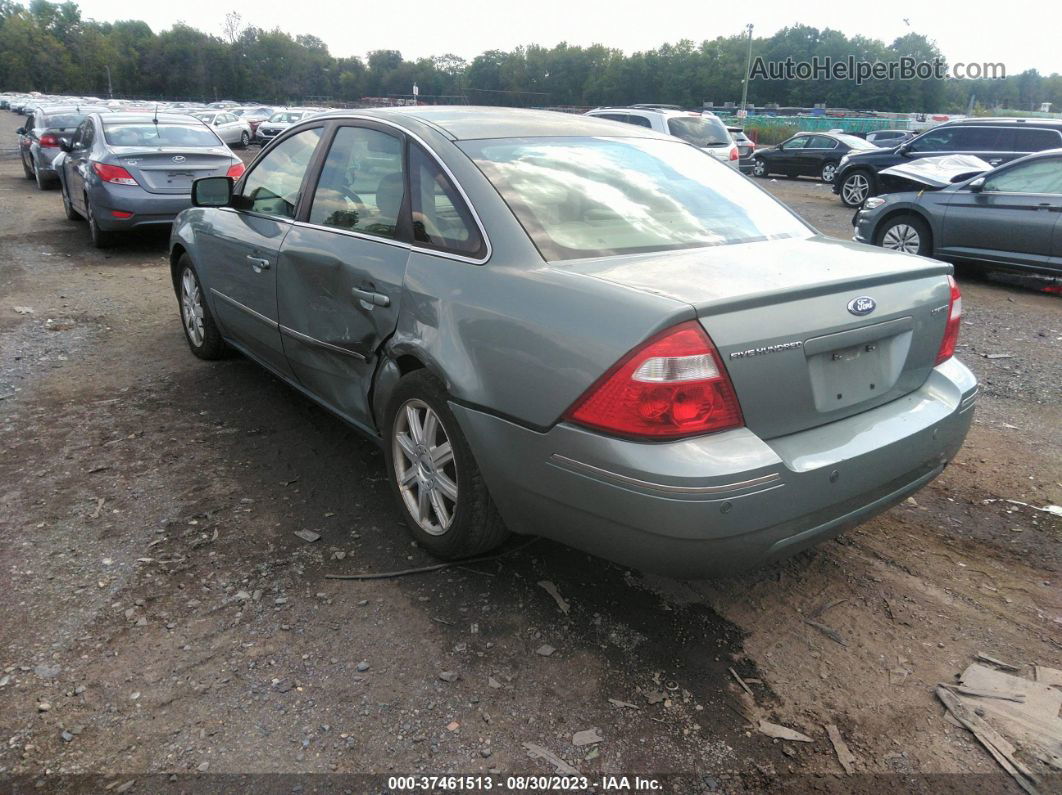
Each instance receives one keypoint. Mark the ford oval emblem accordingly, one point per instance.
(863, 305)
(178, 159)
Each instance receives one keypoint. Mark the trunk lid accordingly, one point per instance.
(801, 345)
(172, 169)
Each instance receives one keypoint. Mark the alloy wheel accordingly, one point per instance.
(828, 172)
(759, 168)
(855, 189)
(192, 307)
(424, 465)
(901, 237)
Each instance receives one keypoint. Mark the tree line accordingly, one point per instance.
(51, 47)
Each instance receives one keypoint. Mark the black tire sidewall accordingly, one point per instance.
(462, 537)
(213, 346)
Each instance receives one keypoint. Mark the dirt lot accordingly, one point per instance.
(161, 615)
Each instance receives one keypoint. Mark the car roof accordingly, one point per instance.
(68, 107)
(467, 122)
(1004, 121)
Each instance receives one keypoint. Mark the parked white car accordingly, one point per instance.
(704, 131)
(231, 130)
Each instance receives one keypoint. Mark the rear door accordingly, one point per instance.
(77, 162)
(1026, 197)
(241, 247)
(343, 264)
(820, 149)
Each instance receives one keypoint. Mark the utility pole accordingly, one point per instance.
(745, 83)
(110, 88)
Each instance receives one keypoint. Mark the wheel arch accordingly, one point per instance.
(912, 210)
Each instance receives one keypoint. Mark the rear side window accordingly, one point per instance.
(984, 139)
(638, 121)
(698, 130)
(822, 142)
(273, 185)
(1034, 140)
(441, 219)
(362, 184)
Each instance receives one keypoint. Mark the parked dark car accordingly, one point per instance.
(978, 219)
(563, 326)
(885, 138)
(807, 154)
(746, 146)
(40, 138)
(996, 141)
(124, 171)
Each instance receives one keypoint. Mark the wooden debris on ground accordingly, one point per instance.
(840, 747)
(781, 732)
(536, 751)
(551, 589)
(998, 663)
(740, 681)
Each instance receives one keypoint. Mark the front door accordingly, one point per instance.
(241, 261)
(76, 163)
(341, 271)
(1025, 197)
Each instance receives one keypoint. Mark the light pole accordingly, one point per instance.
(745, 82)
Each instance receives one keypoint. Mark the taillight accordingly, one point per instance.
(236, 170)
(49, 141)
(734, 153)
(951, 328)
(673, 385)
(116, 175)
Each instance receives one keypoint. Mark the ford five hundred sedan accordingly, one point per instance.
(562, 326)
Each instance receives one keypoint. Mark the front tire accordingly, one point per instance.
(245, 140)
(906, 233)
(437, 484)
(759, 167)
(856, 188)
(199, 328)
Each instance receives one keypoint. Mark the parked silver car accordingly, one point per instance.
(562, 326)
(280, 121)
(39, 138)
(123, 171)
(229, 128)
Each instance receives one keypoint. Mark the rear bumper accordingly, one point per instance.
(148, 209)
(720, 504)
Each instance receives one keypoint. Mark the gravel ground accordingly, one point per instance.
(162, 617)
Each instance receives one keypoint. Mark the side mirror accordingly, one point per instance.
(212, 192)
(977, 185)
(20, 131)
(65, 145)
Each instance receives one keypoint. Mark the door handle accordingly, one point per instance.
(376, 299)
(259, 264)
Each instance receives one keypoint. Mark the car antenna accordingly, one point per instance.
(155, 120)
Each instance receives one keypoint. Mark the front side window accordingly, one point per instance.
(441, 219)
(800, 142)
(592, 197)
(1040, 176)
(273, 185)
(147, 133)
(362, 184)
(698, 130)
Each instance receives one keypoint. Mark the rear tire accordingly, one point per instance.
(26, 169)
(759, 167)
(199, 328)
(906, 233)
(100, 238)
(436, 482)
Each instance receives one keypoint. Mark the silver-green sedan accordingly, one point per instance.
(560, 326)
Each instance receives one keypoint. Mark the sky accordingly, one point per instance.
(1021, 35)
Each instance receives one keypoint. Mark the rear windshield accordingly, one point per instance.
(62, 121)
(698, 130)
(592, 197)
(146, 133)
(285, 117)
(855, 142)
